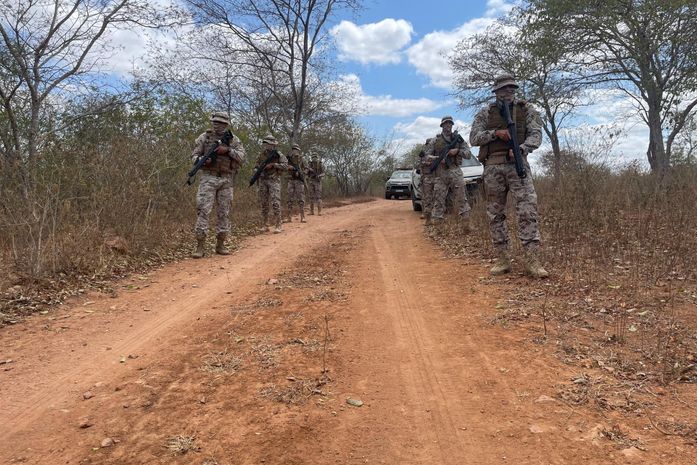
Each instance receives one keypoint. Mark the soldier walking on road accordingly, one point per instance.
(490, 132)
(448, 175)
(216, 183)
(296, 182)
(427, 180)
(270, 181)
(315, 173)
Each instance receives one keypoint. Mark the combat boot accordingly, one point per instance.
(312, 209)
(200, 246)
(319, 208)
(532, 264)
(220, 248)
(302, 216)
(503, 263)
(279, 227)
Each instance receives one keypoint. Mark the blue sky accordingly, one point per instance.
(391, 53)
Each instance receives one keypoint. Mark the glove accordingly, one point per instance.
(503, 135)
(222, 150)
(453, 152)
(270, 166)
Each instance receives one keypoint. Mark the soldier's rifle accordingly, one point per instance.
(456, 140)
(296, 170)
(260, 169)
(211, 155)
(513, 142)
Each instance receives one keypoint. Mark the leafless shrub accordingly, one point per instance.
(180, 445)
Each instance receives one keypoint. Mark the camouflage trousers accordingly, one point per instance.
(499, 180)
(427, 183)
(315, 188)
(270, 194)
(449, 180)
(211, 190)
(296, 194)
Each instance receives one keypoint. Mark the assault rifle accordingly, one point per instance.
(297, 170)
(211, 155)
(456, 140)
(272, 156)
(517, 155)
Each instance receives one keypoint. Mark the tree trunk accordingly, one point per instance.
(656, 152)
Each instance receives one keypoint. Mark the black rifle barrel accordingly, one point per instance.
(457, 139)
(519, 167)
(211, 155)
(260, 169)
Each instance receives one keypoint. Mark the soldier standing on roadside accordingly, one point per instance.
(296, 182)
(427, 180)
(448, 175)
(315, 173)
(489, 131)
(216, 183)
(270, 181)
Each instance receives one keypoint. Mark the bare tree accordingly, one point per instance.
(546, 79)
(644, 47)
(281, 39)
(47, 49)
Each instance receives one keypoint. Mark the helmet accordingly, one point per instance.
(270, 139)
(220, 117)
(504, 80)
(446, 119)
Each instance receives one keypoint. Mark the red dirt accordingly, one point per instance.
(406, 331)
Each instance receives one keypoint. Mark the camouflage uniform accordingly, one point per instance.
(296, 186)
(448, 178)
(427, 181)
(500, 176)
(216, 184)
(315, 173)
(270, 183)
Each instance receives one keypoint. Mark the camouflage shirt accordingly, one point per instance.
(280, 166)
(207, 140)
(479, 135)
(430, 148)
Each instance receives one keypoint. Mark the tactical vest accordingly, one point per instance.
(224, 164)
(317, 169)
(297, 162)
(499, 148)
(268, 174)
(440, 145)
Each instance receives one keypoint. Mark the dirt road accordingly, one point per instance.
(251, 358)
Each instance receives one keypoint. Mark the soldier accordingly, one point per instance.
(315, 173)
(427, 180)
(489, 131)
(270, 181)
(448, 175)
(296, 182)
(216, 183)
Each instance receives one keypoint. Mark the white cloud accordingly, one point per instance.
(498, 7)
(384, 105)
(422, 128)
(430, 55)
(372, 43)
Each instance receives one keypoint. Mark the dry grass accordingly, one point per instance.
(180, 445)
(221, 362)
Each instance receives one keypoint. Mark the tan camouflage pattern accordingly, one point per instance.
(427, 183)
(314, 187)
(213, 189)
(270, 195)
(447, 178)
(279, 167)
(229, 164)
(296, 194)
(499, 180)
(479, 135)
(270, 186)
